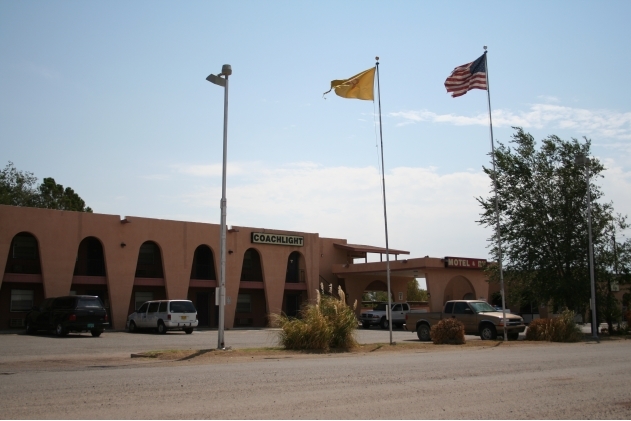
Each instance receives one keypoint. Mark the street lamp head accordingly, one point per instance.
(226, 71)
(217, 80)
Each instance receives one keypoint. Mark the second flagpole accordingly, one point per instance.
(385, 213)
(497, 208)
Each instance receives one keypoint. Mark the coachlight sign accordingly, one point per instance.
(278, 239)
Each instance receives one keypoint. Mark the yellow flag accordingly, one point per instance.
(360, 86)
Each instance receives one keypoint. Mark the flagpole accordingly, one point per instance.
(385, 214)
(497, 209)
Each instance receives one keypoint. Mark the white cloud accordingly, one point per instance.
(601, 123)
(616, 186)
(428, 213)
(616, 147)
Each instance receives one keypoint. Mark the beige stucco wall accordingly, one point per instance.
(358, 276)
(59, 234)
(438, 280)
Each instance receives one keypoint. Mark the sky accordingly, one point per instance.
(110, 98)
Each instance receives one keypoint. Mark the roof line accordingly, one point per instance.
(368, 249)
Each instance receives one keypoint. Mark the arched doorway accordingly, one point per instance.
(90, 258)
(149, 276)
(251, 270)
(295, 293)
(202, 286)
(251, 309)
(375, 293)
(203, 264)
(295, 268)
(149, 264)
(24, 255)
(459, 288)
(90, 277)
(22, 284)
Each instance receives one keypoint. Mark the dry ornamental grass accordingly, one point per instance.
(558, 329)
(448, 331)
(328, 324)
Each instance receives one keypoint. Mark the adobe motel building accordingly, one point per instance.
(129, 260)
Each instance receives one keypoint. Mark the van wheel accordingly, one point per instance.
(488, 332)
(188, 331)
(60, 331)
(132, 327)
(96, 332)
(423, 332)
(384, 323)
(162, 329)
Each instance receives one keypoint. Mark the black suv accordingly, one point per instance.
(74, 313)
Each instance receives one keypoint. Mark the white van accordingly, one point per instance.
(164, 315)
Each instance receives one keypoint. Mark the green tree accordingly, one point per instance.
(415, 293)
(543, 223)
(17, 188)
(54, 196)
(375, 296)
(612, 266)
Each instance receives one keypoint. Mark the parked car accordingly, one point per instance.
(379, 317)
(164, 315)
(478, 318)
(72, 313)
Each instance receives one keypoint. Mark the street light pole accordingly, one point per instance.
(226, 71)
(582, 160)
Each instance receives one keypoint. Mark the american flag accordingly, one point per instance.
(466, 77)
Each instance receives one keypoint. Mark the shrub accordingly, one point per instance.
(558, 329)
(329, 323)
(448, 331)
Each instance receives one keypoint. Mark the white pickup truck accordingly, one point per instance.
(378, 317)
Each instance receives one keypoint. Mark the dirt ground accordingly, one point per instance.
(408, 380)
(215, 356)
(168, 357)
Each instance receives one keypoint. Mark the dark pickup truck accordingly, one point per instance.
(73, 313)
(478, 318)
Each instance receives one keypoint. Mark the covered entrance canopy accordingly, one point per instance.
(357, 251)
(447, 278)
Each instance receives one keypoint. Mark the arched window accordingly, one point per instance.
(90, 259)
(294, 272)
(23, 255)
(203, 264)
(149, 261)
(251, 269)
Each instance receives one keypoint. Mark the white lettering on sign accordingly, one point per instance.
(465, 263)
(279, 239)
